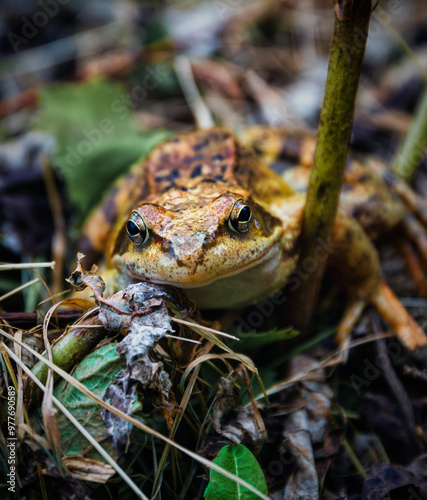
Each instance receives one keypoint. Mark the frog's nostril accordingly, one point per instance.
(166, 245)
(208, 241)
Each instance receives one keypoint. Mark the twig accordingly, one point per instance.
(29, 265)
(336, 121)
(59, 240)
(201, 112)
(19, 288)
(29, 320)
(415, 373)
(395, 385)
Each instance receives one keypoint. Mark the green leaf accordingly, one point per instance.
(238, 460)
(96, 372)
(97, 136)
(254, 340)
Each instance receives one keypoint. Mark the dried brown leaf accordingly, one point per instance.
(86, 469)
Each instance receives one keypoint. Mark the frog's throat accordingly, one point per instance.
(267, 256)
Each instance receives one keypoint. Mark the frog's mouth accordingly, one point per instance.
(264, 264)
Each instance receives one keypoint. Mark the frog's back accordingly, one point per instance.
(212, 155)
(208, 155)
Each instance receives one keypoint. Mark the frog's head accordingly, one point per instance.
(195, 236)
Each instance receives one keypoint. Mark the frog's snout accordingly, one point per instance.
(186, 246)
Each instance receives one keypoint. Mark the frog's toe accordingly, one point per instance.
(413, 263)
(348, 322)
(416, 233)
(392, 311)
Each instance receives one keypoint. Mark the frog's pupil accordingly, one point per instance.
(132, 228)
(245, 214)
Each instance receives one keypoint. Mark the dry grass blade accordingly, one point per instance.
(84, 326)
(20, 409)
(19, 288)
(137, 423)
(76, 423)
(205, 328)
(209, 334)
(246, 361)
(182, 339)
(208, 357)
(48, 411)
(30, 265)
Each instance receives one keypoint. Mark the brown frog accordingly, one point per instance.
(205, 213)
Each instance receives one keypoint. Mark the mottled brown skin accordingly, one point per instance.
(185, 193)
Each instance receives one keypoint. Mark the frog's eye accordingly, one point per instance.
(240, 217)
(136, 229)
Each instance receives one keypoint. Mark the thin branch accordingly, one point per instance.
(336, 121)
(200, 111)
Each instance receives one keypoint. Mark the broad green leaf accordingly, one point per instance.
(238, 460)
(97, 136)
(254, 340)
(96, 372)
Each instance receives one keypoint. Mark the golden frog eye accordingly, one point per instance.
(136, 229)
(240, 217)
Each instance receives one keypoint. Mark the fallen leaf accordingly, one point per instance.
(86, 469)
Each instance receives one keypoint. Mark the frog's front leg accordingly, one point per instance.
(355, 259)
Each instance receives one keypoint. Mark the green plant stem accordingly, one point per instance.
(69, 350)
(411, 150)
(336, 121)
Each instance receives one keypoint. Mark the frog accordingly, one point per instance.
(207, 212)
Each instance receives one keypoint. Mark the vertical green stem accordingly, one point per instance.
(411, 151)
(336, 121)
